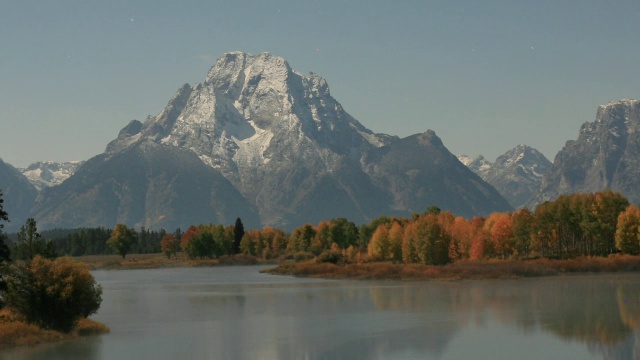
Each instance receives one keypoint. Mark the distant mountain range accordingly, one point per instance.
(516, 175)
(260, 141)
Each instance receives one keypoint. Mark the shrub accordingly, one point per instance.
(302, 256)
(329, 256)
(53, 294)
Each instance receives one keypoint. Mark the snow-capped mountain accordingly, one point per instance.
(516, 175)
(606, 155)
(478, 165)
(43, 174)
(290, 149)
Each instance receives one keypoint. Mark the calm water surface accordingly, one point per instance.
(238, 313)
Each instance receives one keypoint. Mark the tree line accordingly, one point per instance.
(595, 224)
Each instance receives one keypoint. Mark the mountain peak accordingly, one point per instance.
(621, 102)
(604, 156)
(516, 174)
(232, 69)
(288, 147)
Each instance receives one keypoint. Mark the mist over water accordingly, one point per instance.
(238, 313)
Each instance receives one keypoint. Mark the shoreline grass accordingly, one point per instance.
(14, 331)
(460, 270)
(153, 261)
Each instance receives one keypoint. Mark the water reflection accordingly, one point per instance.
(237, 313)
(599, 311)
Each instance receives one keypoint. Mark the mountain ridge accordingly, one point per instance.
(280, 140)
(604, 156)
(516, 174)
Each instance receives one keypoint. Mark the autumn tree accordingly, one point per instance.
(252, 243)
(410, 243)
(366, 231)
(544, 231)
(275, 242)
(53, 294)
(522, 229)
(627, 237)
(425, 241)
(380, 246)
(460, 233)
(435, 241)
(186, 238)
(479, 239)
(608, 205)
(301, 238)
(209, 241)
(500, 228)
(170, 245)
(344, 232)
(323, 238)
(396, 233)
(122, 240)
(202, 245)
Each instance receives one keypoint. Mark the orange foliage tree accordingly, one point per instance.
(627, 237)
(479, 239)
(170, 245)
(500, 228)
(380, 246)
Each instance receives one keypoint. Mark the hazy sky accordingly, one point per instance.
(484, 75)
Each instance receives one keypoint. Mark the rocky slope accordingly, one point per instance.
(148, 184)
(517, 174)
(19, 195)
(606, 155)
(290, 149)
(419, 171)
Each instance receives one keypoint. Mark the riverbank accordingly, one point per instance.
(16, 332)
(460, 270)
(154, 261)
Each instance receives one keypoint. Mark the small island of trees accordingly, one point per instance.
(43, 297)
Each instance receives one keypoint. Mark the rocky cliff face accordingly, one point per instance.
(516, 175)
(606, 155)
(291, 150)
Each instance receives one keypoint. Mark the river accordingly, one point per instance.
(239, 313)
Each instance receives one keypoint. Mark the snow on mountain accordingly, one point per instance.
(43, 174)
(478, 165)
(517, 174)
(285, 144)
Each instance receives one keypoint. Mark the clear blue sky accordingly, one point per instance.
(485, 75)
